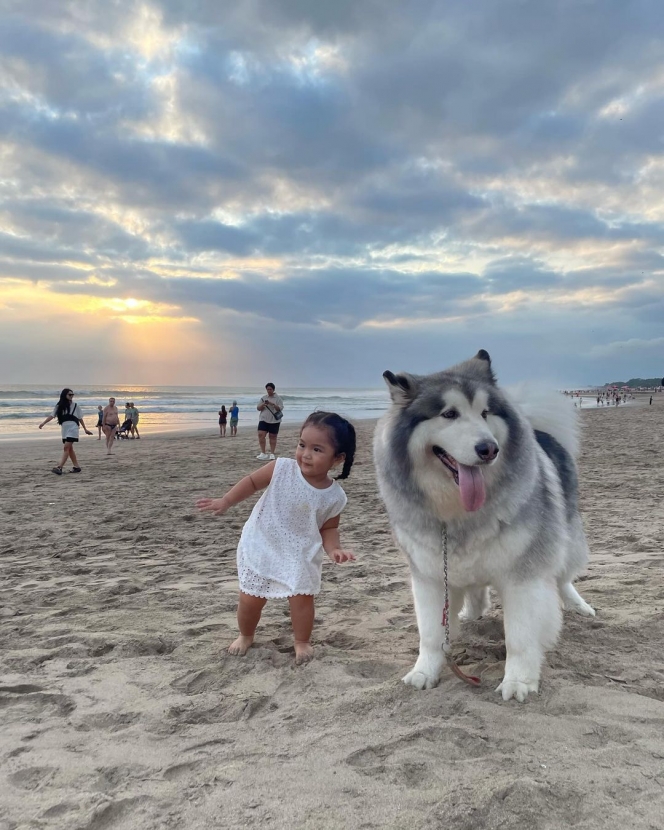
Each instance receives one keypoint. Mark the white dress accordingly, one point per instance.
(281, 550)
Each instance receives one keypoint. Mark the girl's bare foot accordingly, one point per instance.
(240, 646)
(304, 652)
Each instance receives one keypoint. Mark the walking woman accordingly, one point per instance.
(69, 417)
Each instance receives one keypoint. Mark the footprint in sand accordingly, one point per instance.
(31, 777)
(372, 670)
(34, 705)
(415, 753)
(107, 721)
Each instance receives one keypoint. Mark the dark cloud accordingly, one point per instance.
(66, 73)
(342, 297)
(519, 274)
(340, 158)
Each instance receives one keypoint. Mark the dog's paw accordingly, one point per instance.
(468, 613)
(517, 688)
(581, 608)
(420, 680)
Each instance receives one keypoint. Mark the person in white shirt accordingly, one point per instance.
(69, 417)
(271, 408)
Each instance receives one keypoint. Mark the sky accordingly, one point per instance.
(315, 192)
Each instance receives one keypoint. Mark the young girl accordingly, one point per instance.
(100, 420)
(223, 417)
(69, 416)
(291, 528)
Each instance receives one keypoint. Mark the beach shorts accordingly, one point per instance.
(271, 429)
(70, 440)
(234, 421)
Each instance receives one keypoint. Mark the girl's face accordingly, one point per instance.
(315, 453)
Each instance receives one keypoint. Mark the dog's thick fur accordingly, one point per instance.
(499, 470)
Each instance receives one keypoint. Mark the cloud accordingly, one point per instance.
(634, 345)
(342, 170)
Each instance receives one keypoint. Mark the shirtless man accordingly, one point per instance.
(109, 423)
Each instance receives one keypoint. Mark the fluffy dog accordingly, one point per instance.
(499, 471)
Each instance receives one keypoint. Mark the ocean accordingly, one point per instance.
(173, 408)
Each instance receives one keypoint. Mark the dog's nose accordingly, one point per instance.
(487, 450)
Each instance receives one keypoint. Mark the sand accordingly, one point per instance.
(121, 709)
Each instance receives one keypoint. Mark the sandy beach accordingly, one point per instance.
(121, 708)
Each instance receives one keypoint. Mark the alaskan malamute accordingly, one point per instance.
(454, 448)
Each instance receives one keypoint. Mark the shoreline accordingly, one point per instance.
(213, 427)
(184, 432)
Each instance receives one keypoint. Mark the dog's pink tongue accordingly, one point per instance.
(471, 487)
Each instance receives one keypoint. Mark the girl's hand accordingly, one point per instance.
(340, 556)
(216, 506)
(87, 432)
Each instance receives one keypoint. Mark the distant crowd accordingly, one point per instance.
(69, 416)
(608, 396)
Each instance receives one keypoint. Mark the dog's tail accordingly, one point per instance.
(548, 411)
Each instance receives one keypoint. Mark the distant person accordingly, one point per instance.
(100, 419)
(223, 418)
(651, 400)
(234, 413)
(271, 408)
(110, 423)
(69, 417)
(291, 528)
(134, 415)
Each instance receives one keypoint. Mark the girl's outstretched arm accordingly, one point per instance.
(332, 544)
(43, 423)
(246, 487)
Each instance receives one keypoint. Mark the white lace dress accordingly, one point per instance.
(281, 550)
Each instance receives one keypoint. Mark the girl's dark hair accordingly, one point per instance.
(63, 405)
(223, 408)
(342, 433)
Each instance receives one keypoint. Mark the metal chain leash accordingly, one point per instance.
(446, 607)
(470, 679)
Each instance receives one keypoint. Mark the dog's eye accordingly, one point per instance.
(450, 413)
(485, 414)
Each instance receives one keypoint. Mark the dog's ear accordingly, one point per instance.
(482, 362)
(403, 387)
